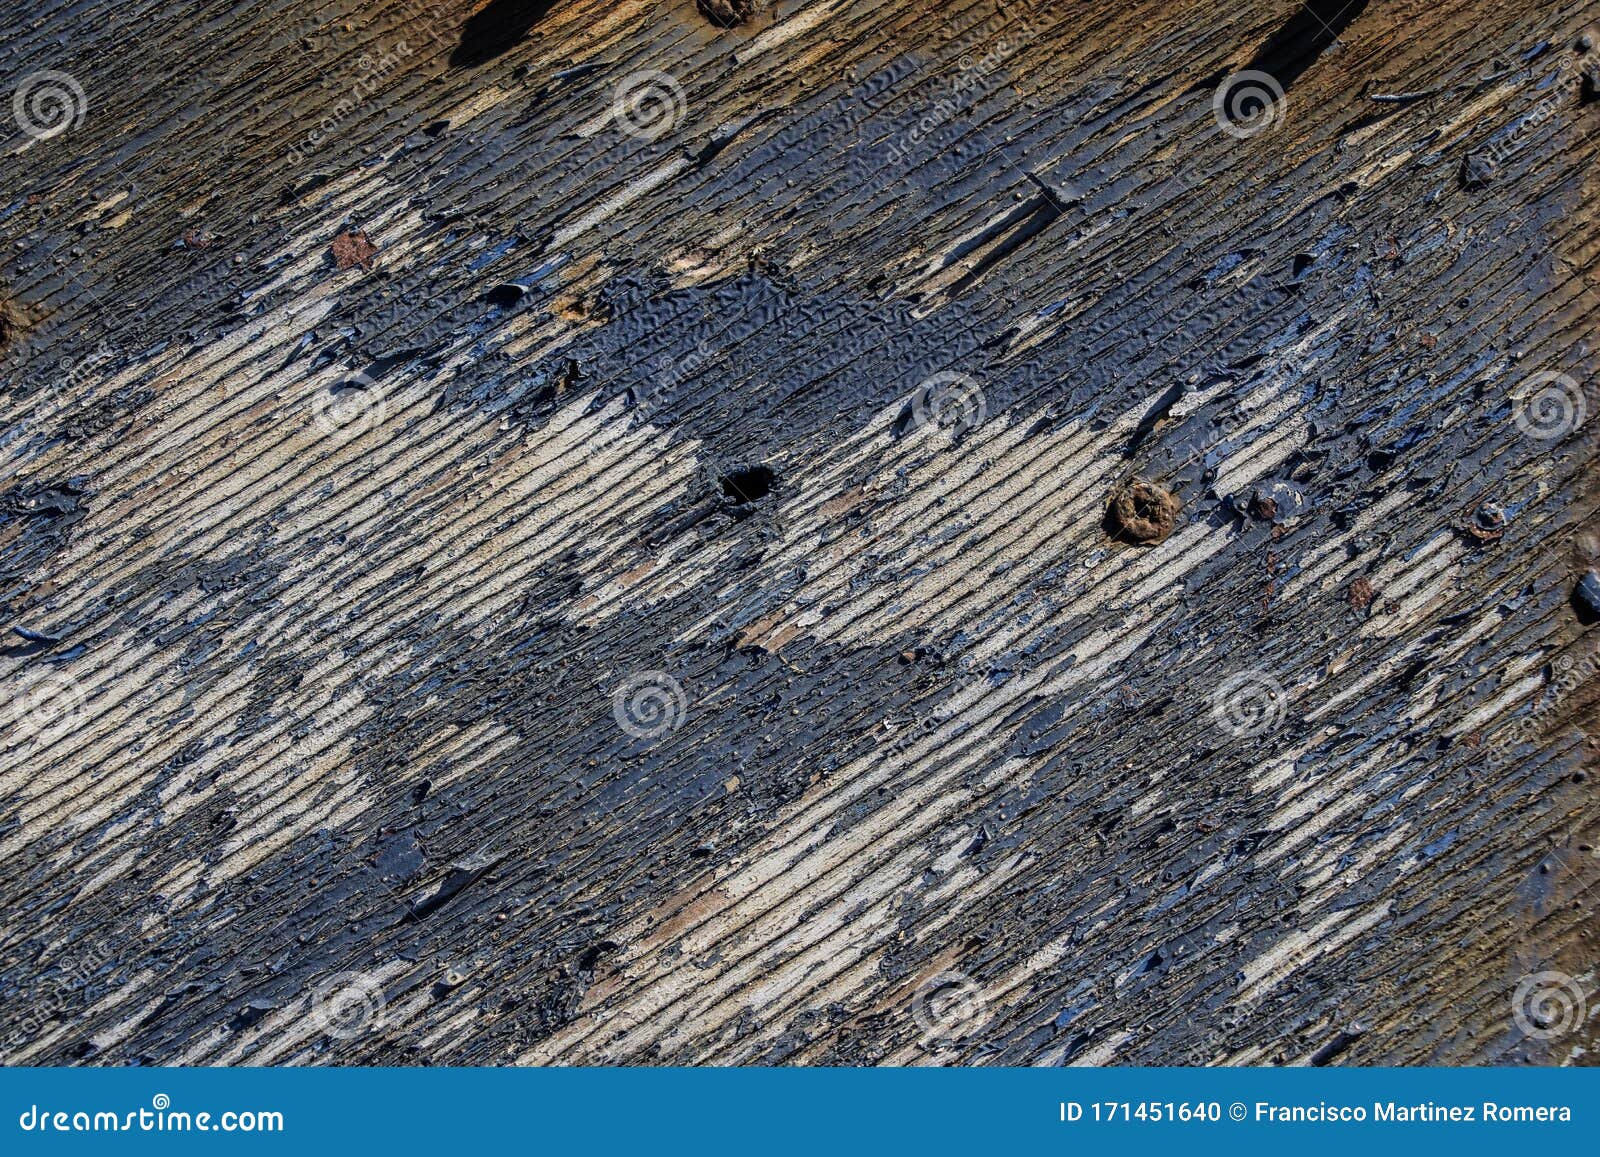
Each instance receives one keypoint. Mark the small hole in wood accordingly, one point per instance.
(748, 484)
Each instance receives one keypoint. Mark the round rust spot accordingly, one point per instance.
(352, 248)
(1486, 524)
(1141, 512)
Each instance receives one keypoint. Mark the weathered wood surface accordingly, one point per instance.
(314, 755)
